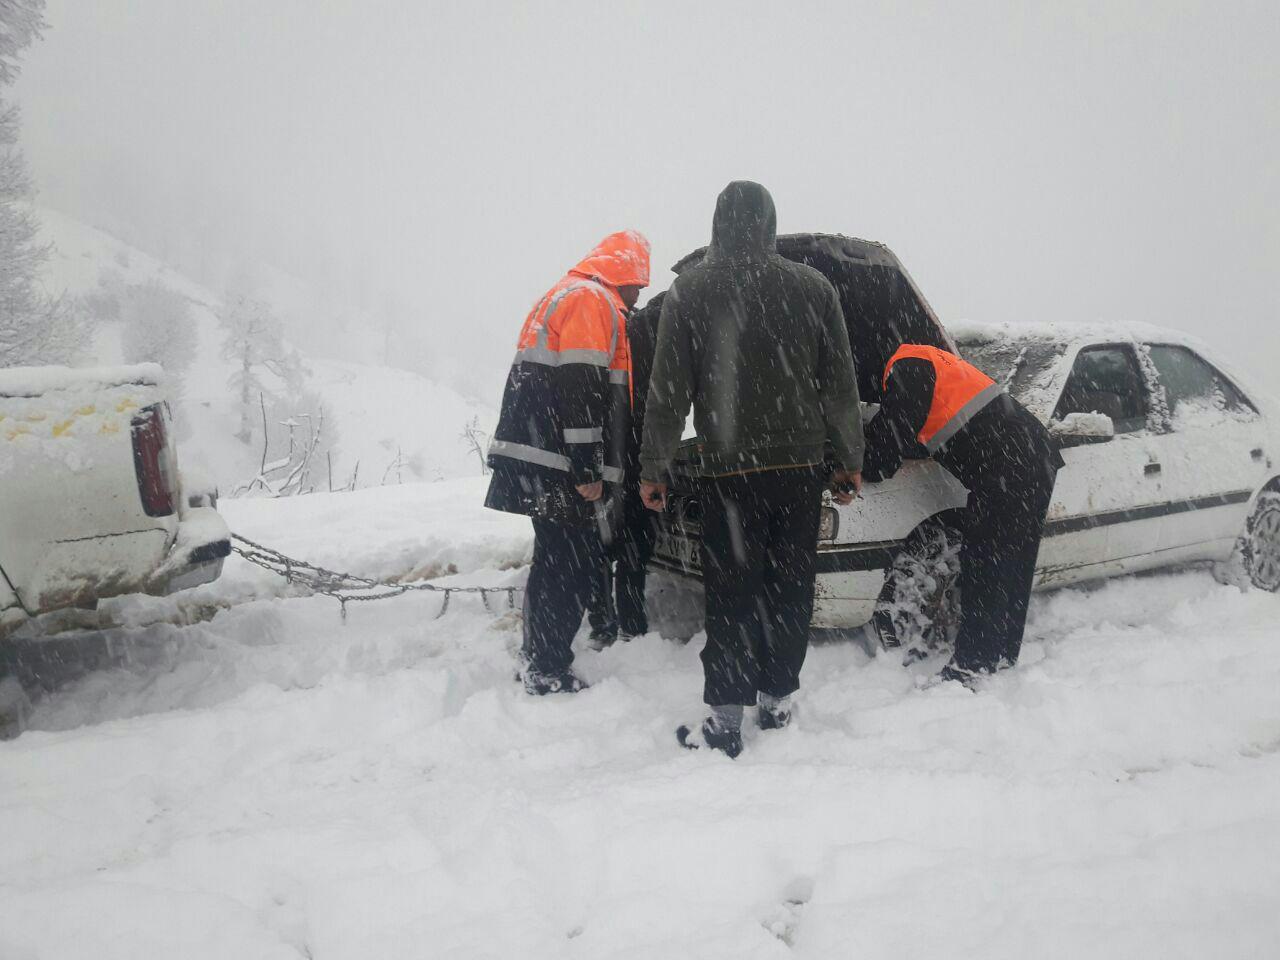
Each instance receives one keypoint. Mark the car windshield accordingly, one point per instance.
(1023, 366)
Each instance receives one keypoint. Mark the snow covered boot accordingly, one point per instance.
(718, 732)
(601, 639)
(968, 678)
(538, 684)
(773, 713)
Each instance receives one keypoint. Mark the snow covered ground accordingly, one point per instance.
(273, 783)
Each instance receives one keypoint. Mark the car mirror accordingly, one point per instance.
(1077, 429)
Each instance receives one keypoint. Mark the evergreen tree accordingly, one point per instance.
(254, 342)
(158, 328)
(34, 328)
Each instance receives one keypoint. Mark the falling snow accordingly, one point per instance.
(272, 783)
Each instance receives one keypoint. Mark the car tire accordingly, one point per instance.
(918, 611)
(1260, 545)
(15, 707)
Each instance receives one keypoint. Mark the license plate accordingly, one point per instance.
(679, 550)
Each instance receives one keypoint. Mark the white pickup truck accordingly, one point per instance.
(91, 501)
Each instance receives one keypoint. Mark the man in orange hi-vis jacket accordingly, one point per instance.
(561, 437)
(937, 405)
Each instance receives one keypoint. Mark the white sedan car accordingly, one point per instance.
(91, 501)
(1170, 459)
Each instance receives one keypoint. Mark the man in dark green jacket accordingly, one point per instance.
(758, 346)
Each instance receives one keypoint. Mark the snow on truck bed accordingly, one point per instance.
(273, 783)
(36, 381)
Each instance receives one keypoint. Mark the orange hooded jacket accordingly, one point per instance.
(582, 319)
(567, 399)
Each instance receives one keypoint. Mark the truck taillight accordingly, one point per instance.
(151, 462)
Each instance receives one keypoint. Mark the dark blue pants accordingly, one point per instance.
(998, 568)
(617, 603)
(567, 560)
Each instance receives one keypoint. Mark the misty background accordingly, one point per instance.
(431, 168)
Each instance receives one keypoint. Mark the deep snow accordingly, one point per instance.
(272, 783)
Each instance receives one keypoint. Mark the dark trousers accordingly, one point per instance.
(997, 568)
(566, 560)
(759, 543)
(617, 601)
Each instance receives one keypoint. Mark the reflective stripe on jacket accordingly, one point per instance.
(566, 407)
(960, 391)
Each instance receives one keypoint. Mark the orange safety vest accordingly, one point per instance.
(960, 390)
(589, 329)
(581, 322)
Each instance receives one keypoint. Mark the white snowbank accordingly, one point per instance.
(275, 783)
(404, 532)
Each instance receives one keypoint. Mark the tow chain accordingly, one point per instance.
(347, 587)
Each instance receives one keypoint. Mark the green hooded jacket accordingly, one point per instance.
(757, 345)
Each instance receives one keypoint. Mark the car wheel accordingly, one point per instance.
(1262, 543)
(918, 610)
(15, 708)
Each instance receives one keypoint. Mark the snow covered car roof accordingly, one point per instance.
(37, 381)
(1066, 333)
(1032, 359)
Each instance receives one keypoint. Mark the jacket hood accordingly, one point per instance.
(745, 223)
(620, 260)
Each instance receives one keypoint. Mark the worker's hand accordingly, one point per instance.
(845, 485)
(591, 492)
(653, 495)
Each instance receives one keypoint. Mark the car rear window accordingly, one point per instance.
(1024, 367)
(1193, 386)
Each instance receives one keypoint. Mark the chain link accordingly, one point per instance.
(347, 587)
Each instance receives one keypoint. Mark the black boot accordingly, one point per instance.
(773, 714)
(969, 678)
(538, 684)
(602, 638)
(712, 736)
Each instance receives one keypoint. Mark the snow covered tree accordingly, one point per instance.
(264, 365)
(159, 328)
(103, 303)
(34, 327)
(477, 441)
(21, 23)
(299, 443)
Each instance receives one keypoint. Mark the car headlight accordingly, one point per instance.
(828, 524)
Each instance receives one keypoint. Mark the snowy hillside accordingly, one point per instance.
(276, 783)
(396, 426)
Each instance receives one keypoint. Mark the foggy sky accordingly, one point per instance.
(1073, 161)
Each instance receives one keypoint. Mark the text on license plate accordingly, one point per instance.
(679, 550)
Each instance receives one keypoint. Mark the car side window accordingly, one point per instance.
(1106, 380)
(1191, 384)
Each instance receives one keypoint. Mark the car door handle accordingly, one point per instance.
(1151, 469)
(1257, 453)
